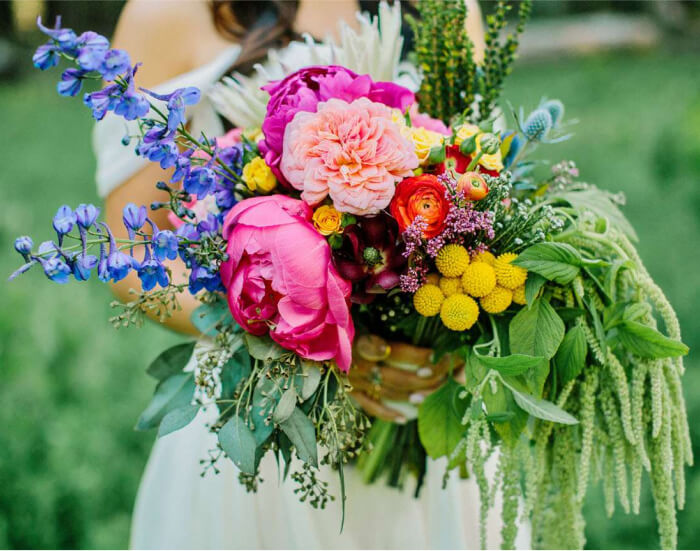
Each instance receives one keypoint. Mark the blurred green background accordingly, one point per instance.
(71, 387)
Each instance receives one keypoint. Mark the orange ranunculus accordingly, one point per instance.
(423, 196)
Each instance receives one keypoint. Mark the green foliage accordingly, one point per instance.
(537, 330)
(440, 420)
(556, 262)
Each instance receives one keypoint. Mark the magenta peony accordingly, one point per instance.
(350, 151)
(280, 279)
(304, 89)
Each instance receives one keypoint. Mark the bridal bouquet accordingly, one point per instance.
(388, 276)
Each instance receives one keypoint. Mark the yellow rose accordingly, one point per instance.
(327, 220)
(490, 162)
(424, 140)
(398, 118)
(465, 132)
(258, 176)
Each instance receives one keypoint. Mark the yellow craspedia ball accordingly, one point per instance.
(433, 279)
(484, 256)
(459, 312)
(478, 279)
(450, 285)
(428, 299)
(451, 260)
(507, 275)
(519, 295)
(497, 300)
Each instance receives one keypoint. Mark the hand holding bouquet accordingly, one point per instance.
(366, 247)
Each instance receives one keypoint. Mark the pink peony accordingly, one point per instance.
(304, 89)
(350, 151)
(280, 279)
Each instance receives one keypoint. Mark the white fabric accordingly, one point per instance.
(176, 508)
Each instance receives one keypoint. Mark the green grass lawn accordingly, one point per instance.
(71, 387)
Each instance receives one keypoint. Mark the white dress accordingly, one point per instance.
(176, 508)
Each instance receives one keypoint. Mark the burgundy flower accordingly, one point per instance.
(370, 257)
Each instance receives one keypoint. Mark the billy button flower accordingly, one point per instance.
(497, 301)
(508, 275)
(459, 312)
(258, 176)
(452, 260)
(428, 300)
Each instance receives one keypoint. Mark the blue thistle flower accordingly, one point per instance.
(537, 125)
(556, 110)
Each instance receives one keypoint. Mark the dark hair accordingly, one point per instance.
(259, 25)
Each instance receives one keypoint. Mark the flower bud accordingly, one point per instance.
(64, 220)
(86, 215)
(24, 244)
(489, 143)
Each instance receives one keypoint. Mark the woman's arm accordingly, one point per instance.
(169, 39)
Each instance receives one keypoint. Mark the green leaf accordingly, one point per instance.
(172, 361)
(234, 371)
(542, 409)
(533, 284)
(558, 262)
(171, 393)
(208, 316)
(570, 314)
(599, 203)
(238, 442)
(440, 419)
(647, 342)
(536, 331)
(508, 419)
(302, 433)
(308, 380)
(177, 419)
(571, 356)
(436, 155)
(515, 364)
(285, 407)
(263, 348)
(265, 399)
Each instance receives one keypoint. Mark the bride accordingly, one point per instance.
(196, 44)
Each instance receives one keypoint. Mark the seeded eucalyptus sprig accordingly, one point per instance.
(498, 58)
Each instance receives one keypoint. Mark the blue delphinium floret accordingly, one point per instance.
(56, 269)
(92, 48)
(134, 217)
(45, 57)
(152, 272)
(202, 278)
(23, 245)
(119, 265)
(115, 63)
(71, 82)
(86, 215)
(64, 220)
(65, 39)
(176, 102)
(83, 264)
(165, 245)
(158, 146)
(201, 181)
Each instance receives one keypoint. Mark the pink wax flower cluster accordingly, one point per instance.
(352, 152)
(280, 279)
(306, 88)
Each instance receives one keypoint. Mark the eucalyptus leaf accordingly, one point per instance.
(302, 433)
(171, 361)
(570, 359)
(536, 331)
(515, 364)
(177, 419)
(263, 348)
(543, 409)
(533, 284)
(171, 393)
(266, 396)
(558, 262)
(207, 317)
(440, 420)
(236, 369)
(308, 380)
(285, 407)
(238, 442)
(647, 342)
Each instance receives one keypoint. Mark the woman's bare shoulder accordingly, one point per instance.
(169, 38)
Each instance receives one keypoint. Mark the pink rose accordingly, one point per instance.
(280, 279)
(353, 152)
(422, 120)
(304, 89)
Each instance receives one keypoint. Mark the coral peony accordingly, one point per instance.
(350, 151)
(422, 196)
(304, 89)
(280, 279)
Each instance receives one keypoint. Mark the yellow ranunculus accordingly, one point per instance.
(424, 140)
(258, 176)
(327, 220)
